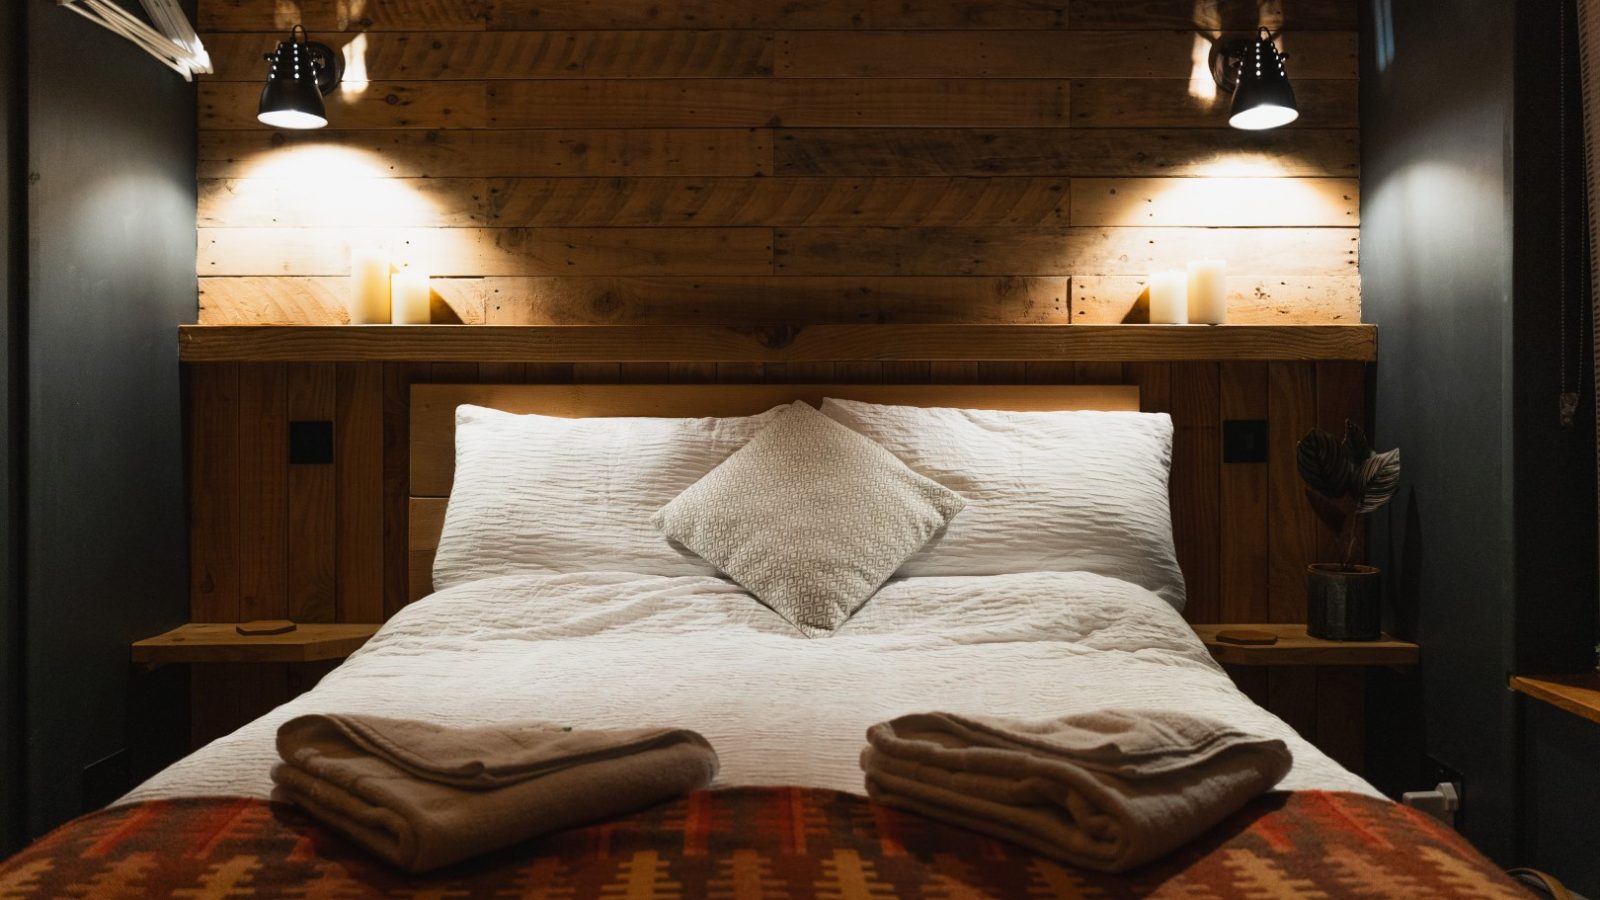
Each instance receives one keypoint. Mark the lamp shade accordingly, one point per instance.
(1262, 98)
(298, 74)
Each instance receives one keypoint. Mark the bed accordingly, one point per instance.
(786, 714)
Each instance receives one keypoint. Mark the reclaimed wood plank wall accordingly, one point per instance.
(736, 161)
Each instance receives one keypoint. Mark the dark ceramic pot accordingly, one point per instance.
(1343, 603)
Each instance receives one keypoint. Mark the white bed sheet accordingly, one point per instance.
(622, 650)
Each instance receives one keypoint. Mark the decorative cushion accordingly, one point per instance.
(1046, 491)
(810, 517)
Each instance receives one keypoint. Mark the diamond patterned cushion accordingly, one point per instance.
(810, 517)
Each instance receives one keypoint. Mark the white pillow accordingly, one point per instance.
(809, 516)
(575, 495)
(1045, 491)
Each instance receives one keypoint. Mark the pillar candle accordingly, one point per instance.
(1208, 291)
(412, 293)
(1169, 303)
(369, 286)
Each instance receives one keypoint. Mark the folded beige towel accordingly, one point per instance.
(1107, 790)
(422, 795)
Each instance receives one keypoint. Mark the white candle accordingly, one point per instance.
(412, 293)
(369, 286)
(1208, 291)
(1169, 303)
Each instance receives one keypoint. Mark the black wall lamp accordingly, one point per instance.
(301, 72)
(1252, 70)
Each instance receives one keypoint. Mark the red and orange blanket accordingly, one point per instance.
(753, 843)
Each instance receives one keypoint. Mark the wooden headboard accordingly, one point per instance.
(433, 409)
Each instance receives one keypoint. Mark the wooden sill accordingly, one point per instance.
(1578, 693)
(211, 642)
(1296, 648)
(815, 343)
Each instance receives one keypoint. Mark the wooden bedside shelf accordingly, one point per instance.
(691, 343)
(217, 642)
(1296, 648)
(1577, 693)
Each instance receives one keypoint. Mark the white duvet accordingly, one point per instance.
(598, 650)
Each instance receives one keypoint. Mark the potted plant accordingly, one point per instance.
(1345, 480)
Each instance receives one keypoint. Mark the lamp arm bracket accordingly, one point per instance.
(172, 40)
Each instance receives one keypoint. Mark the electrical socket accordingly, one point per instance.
(1435, 772)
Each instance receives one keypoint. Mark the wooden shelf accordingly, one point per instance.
(1296, 648)
(816, 343)
(1578, 694)
(208, 642)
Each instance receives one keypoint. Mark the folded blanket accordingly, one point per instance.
(422, 795)
(1106, 790)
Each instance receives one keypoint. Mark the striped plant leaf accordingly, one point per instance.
(1377, 480)
(1323, 465)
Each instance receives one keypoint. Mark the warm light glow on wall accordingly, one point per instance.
(287, 13)
(1208, 17)
(1221, 202)
(309, 184)
(338, 197)
(1202, 85)
(355, 67)
(1265, 163)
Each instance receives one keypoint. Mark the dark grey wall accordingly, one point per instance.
(111, 250)
(1437, 278)
(12, 178)
(1561, 759)
(1555, 466)
(1491, 550)
(1555, 489)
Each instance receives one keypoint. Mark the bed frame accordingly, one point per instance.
(433, 406)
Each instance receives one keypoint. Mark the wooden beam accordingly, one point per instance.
(605, 343)
(1578, 693)
(200, 642)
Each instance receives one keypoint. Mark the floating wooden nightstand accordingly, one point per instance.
(1296, 648)
(1578, 693)
(221, 642)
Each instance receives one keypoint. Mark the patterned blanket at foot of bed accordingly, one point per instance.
(752, 843)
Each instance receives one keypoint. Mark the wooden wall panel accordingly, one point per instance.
(263, 527)
(409, 155)
(1297, 534)
(517, 141)
(750, 202)
(1252, 300)
(1242, 490)
(465, 56)
(312, 520)
(214, 493)
(1169, 103)
(1196, 472)
(1133, 152)
(1057, 251)
(1213, 15)
(1112, 56)
(357, 443)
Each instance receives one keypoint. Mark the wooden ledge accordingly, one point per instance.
(816, 343)
(1578, 693)
(1296, 648)
(207, 642)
